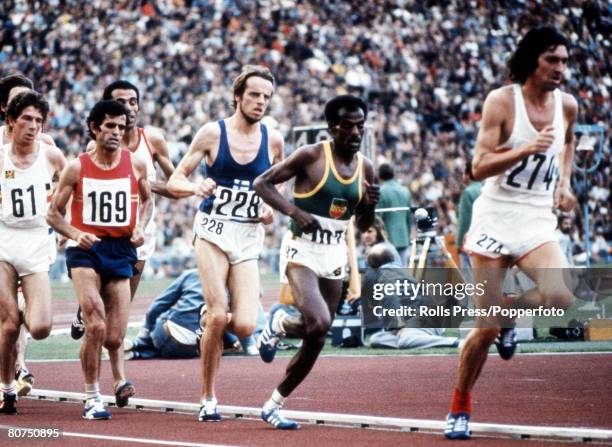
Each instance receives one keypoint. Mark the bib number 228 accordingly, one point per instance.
(212, 225)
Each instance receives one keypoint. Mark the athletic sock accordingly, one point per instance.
(462, 402)
(275, 402)
(92, 390)
(9, 388)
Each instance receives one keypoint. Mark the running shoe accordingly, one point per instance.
(25, 382)
(457, 426)
(77, 328)
(8, 405)
(506, 343)
(95, 410)
(123, 393)
(267, 342)
(274, 418)
(209, 412)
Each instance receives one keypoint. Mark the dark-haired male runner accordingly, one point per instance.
(333, 182)
(111, 206)
(524, 144)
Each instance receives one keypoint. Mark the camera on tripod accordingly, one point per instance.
(426, 218)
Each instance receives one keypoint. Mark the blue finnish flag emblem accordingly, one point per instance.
(241, 185)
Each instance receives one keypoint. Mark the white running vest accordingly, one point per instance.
(532, 180)
(25, 192)
(144, 153)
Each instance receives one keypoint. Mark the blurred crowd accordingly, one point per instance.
(423, 66)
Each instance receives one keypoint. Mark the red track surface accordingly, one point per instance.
(560, 390)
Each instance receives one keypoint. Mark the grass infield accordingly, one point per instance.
(63, 347)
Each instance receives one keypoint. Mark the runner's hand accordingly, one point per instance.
(86, 240)
(267, 215)
(205, 188)
(137, 238)
(305, 222)
(564, 199)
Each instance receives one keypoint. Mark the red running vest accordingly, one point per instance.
(105, 202)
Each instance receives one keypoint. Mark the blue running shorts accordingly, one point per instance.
(112, 257)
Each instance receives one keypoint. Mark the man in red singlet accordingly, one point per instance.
(106, 185)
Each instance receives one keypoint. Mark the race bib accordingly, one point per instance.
(235, 204)
(106, 202)
(332, 232)
(24, 201)
(536, 173)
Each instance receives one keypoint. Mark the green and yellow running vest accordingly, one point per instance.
(332, 202)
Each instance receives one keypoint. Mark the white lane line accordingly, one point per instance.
(142, 440)
(353, 420)
(116, 438)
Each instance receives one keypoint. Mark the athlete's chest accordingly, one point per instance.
(244, 148)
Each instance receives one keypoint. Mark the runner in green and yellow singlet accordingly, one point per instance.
(333, 181)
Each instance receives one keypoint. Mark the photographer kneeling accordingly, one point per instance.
(401, 332)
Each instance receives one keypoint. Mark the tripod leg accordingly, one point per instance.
(413, 256)
(440, 243)
(423, 259)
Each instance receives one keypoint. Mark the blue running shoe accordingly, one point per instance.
(209, 412)
(267, 341)
(506, 343)
(123, 393)
(95, 410)
(274, 418)
(457, 426)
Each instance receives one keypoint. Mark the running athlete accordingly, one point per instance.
(111, 206)
(524, 150)
(333, 181)
(11, 86)
(28, 168)
(228, 230)
(148, 145)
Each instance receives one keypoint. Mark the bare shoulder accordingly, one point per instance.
(500, 97)
(570, 105)
(276, 145)
(155, 136)
(210, 129)
(137, 163)
(368, 167)
(54, 154)
(47, 139)
(275, 137)
(207, 136)
(73, 169)
(309, 153)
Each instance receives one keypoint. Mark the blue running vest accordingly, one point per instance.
(234, 198)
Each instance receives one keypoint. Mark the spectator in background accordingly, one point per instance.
(376, 234)
(423, 79)
(464, 218)
(172, 320)
(601, 251)
(392, 195)
(564, 232)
